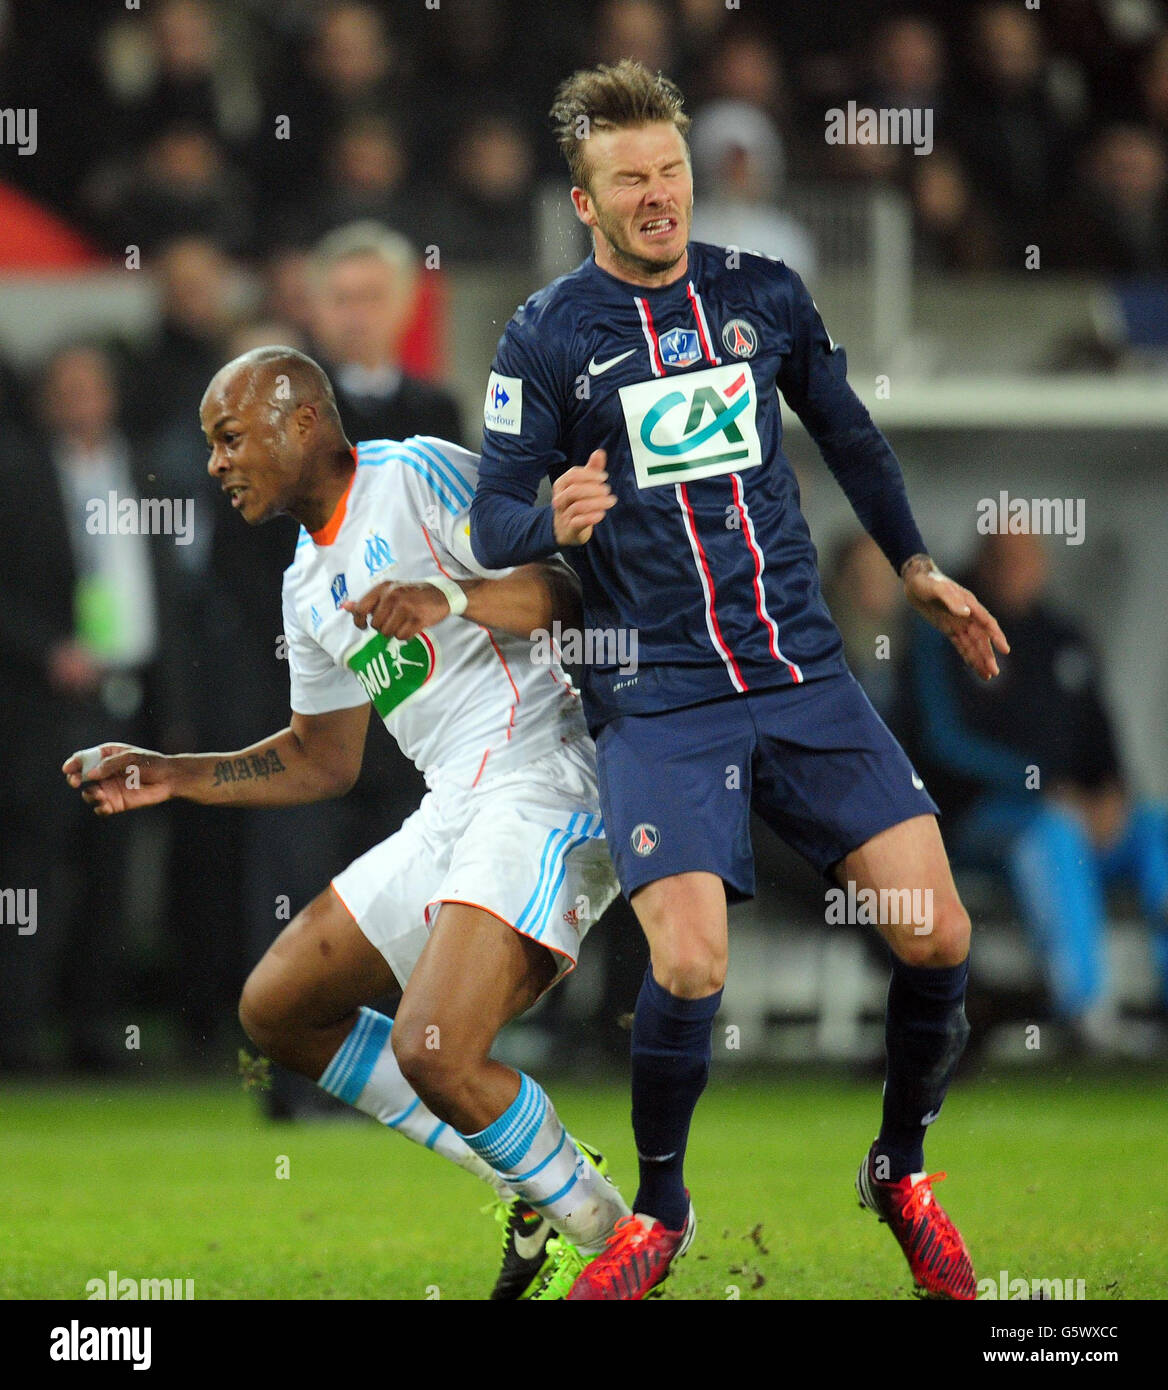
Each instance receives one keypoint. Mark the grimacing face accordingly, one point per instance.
(640, 199)
(257, 449)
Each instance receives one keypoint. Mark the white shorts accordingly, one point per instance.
(528, 847)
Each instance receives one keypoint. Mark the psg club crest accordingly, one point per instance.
(339, 590)
(739, 337)
(679, 347)
(644, 839)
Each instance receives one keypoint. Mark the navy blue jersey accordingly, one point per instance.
(706, 555)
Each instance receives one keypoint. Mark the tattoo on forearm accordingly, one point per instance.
(255, 765)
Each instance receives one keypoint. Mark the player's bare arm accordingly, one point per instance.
(317, 757)
(527, 600)
(581, 497)
(953, 610)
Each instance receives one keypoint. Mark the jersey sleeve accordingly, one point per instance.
(522, 442)
(813, 380)
(317, 685)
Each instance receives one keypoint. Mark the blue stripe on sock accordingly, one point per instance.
(403, 1115)
(434, 1133)
(539, 1167)
(503, 1143)
(356, 1043)
(521, 1129)
(555, 1197)
(366, 1060)
(334, 1073)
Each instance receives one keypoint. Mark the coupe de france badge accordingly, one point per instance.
(503, 407)
(339, 590)
(679, 347)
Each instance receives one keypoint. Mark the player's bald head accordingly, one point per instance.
(280, 379)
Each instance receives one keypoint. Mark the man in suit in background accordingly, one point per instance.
(365, 281)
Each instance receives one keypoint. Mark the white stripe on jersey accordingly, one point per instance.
(695, 300)
(643, 310)
(760, 566)
(711, 621)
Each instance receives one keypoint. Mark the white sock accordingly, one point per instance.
(365, 1074)
(537, 1158)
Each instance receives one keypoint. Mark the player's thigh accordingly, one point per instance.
(675, 792)
(907, 867)
(319, 969)
(475, 974)
(683, 917)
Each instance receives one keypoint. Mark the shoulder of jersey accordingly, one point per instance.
(756, 261)
(559, 298)
(448, 471)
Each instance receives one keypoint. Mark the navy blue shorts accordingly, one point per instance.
(815, 761)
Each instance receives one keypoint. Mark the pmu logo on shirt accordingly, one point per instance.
(390, 670)
(696, 426)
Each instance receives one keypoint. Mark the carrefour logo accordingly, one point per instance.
(695, 426)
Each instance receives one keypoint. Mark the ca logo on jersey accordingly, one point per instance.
(696, 426)
(377, 554)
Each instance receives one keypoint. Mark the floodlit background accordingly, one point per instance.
(1003, 300)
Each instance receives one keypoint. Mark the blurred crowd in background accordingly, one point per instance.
(323, 149)
(262, 124)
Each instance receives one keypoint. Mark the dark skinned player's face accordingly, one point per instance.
(257, 451)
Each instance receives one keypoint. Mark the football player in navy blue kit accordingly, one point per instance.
(644, 384)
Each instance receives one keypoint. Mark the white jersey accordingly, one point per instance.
(465, 703)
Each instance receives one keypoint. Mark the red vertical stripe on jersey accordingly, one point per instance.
(759, 601)
(703, 327)
(707, 579)
(430, 543)
(650, 336)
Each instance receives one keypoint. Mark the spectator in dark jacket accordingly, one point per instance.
(1027, 772)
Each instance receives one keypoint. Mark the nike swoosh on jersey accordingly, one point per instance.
(595, 368)
(528, 1247)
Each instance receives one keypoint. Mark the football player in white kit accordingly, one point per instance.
(480, 901)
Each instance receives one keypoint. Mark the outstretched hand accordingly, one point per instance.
(953, 610)
(116, 777)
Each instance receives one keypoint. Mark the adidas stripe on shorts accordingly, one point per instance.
(527, 846)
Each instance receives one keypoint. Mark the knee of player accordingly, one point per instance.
(263, 1015)
(692, 972)
(429, 1067)
(940, 939)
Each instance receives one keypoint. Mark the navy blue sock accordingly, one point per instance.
(924, 1036)
(671, 1062)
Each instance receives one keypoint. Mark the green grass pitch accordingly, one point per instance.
(1058, 1176)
